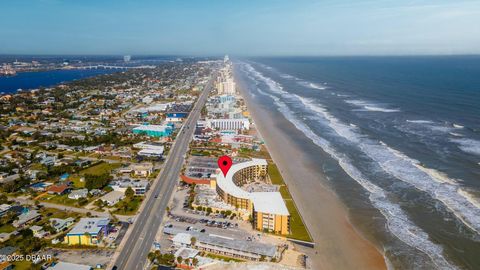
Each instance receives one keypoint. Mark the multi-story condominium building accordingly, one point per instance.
(229, 124)
(268, 209)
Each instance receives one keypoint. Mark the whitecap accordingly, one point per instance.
(398, 221)
(312, 85)
(370, 106)
(468, 145)
(420, 121)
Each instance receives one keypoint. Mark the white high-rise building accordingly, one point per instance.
(127, 58)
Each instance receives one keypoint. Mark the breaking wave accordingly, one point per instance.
(397, 220)
(312, 85)
(468, 145)
(369, 106)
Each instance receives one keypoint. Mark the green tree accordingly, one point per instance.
(193, 240)
(129, 193)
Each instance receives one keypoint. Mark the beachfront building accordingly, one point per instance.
(225, 246)
(88, 231)
(154, 130)
(228, 124)
(268, 209)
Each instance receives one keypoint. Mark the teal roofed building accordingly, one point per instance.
(154, 130)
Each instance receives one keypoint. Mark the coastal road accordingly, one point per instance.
(140, 241)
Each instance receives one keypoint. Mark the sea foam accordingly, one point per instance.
(369, 106)
(397, 221)
(468, 145)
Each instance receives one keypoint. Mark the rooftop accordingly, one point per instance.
(89, 225)
(266, 202)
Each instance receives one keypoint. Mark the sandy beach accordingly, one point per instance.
(337, 244)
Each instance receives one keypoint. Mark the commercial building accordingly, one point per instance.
(154, 130)
(139, 187)
(176, 117)
(228, 124)
(223, 245)
(88, 231)
(151, 152)
(142, 169)
(268, 209)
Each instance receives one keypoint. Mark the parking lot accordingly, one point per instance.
(91, 257)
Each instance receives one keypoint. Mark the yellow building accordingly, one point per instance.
(88, 231)
(267, 209)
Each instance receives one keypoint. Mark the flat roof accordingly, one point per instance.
(225, 242)
(226, 182)
(269, 202)
(152, 127)
(89, 225)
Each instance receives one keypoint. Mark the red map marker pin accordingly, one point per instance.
(224, 163)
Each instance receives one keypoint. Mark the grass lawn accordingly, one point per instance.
(101, 168)
(297, 227)
(23, 265)
(132, 206)
(60, 199)
(299, 231)
(57, 213)
(223, 258)
(76, 181)
(7, 228)
(274, 174)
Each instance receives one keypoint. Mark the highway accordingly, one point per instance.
(140, 241)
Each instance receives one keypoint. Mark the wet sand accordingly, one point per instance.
(337, 244)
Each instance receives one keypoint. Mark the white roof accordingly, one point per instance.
(183, 238)
(269, 202)
(89, 225)
(226, 182)
(152, 128)
(113, 196)
(186, 252)
(265, 202)
(157, 151)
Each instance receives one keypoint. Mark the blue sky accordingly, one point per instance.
(268, 27)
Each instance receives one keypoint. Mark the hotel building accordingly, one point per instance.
(228, 124)
(267, 209)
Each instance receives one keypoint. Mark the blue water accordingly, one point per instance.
(406, 130)
(32, 80)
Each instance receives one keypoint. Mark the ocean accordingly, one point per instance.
(32, 80)
(398, 139)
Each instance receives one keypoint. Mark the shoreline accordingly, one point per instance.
(338, 245)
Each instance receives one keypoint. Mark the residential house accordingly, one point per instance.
(26, 217)
(61, 224)
(59, 189)
(77, 194)
(113, 197)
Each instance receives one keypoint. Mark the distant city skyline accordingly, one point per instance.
(242, 28)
